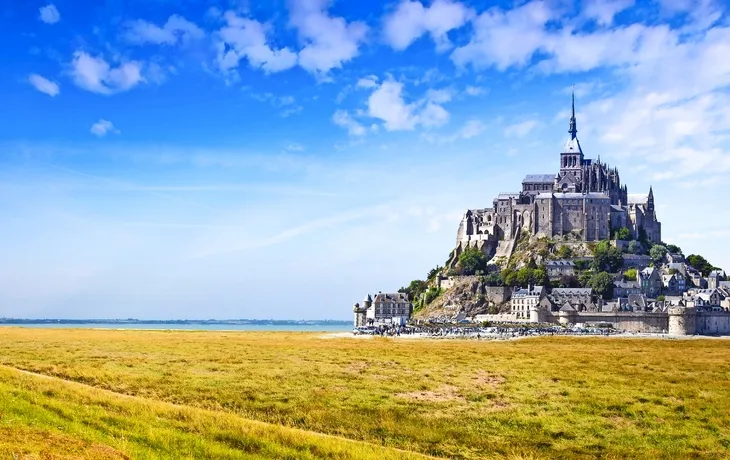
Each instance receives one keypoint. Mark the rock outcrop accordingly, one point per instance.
(468, 296)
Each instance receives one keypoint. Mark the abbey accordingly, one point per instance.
(583, 201)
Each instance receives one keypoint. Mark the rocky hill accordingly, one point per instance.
(468, 296)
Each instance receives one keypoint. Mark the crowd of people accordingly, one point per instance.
(479, 332)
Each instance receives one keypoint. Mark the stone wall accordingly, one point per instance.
(624, 321)
(713, 323)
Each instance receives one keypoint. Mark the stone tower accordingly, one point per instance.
(361, 311)
(682, 321)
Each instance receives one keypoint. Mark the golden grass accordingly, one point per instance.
(535, 398)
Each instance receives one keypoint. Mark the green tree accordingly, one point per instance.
(565, 252)
(431, 294)
(568, 281)
(602, 284)
(607, 258)
(661, 298)
(623, 233)
(414, 289)
(674, 249)
(630, 274)
(471, 260)
(494, 279)
(700, 264)
(434, 272)
(635, 247)
(657, 253)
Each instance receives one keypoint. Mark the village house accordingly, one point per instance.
(673, 284)
(626, 288)
(386, 309)
(696, 279)
(524, 299)
(636, 261)
(714, 279)
(581, 299)
(674, 258)
(558, 268)
(651, 282)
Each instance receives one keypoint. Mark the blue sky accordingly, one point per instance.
(181, 159)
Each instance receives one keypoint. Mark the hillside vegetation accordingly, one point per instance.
(269, 395)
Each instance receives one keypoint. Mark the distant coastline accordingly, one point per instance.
(251, 325)
(232, 322)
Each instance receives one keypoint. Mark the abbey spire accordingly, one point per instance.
(573, 129)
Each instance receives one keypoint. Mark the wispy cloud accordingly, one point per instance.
(44, 85)
(49, 14)
(102, 127)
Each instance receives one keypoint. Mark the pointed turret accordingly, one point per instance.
(573, 128)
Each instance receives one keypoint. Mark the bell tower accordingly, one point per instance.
(571, 158)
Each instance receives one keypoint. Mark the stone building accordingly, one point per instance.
(524, 300)
(585, 200)
(557, 268)
(651, 282)
(391, 309)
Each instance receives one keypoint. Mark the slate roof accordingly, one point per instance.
(627, 284)
(572, 146)
(593, 195)
(522, 293)
(540, 178)
(559, 263)
(572, 291)
(395, 297)
(507, 196)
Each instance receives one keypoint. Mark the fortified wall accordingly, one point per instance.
(678, 321)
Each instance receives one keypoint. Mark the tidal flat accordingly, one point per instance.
(184, 394)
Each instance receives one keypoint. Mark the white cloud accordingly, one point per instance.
(328, 41)
(520, 129)
(474, 91)
(102, 127)
(387, 103)
(44, 85)
(344, 119)
(603, 11)
(96, 75)
(246, 38)
(471, 129)
(49, 14)
(371, 81)
(176, 29)
(411, 20)
(505, 39)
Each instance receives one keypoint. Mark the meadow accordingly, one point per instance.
(184, 394)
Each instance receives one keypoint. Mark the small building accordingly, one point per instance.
(651, 282)
(673, 284)
(674, 258)
(392, 308)
(714, 278)
(581, 299)
(559, 268)
(523, 300)
(695, 278)
(385, 309)
(636, 261)
(626, 288)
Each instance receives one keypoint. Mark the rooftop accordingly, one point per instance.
(541, 178)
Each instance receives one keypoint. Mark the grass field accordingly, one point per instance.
(296, 395)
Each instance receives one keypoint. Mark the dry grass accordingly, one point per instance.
(537, 398)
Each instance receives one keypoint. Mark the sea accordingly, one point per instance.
(190, 327)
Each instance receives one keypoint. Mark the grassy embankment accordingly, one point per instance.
(549, 397)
